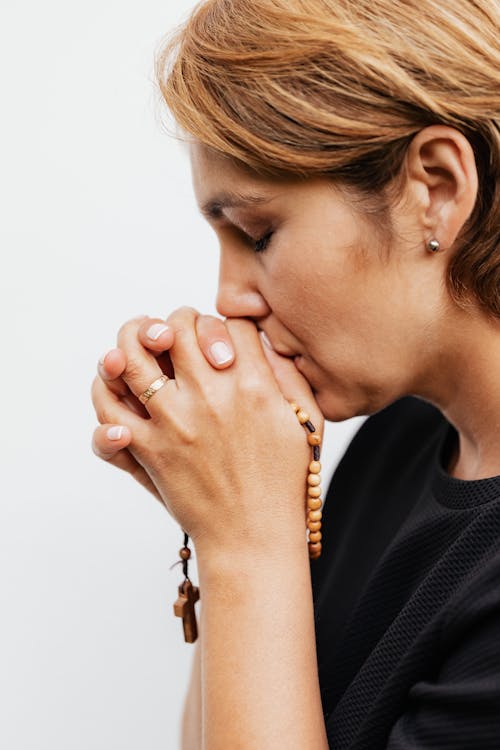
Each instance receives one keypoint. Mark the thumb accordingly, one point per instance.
(293, 385)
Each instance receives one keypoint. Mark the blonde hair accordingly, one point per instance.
(339, 88)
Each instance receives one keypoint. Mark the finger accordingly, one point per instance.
(142, 368)
(189, 363)
(110, 367)
(248, 345)
(110, 409)
(110, 439)
(293, 385)
(214, 341)
(156, 335)
(113, 450)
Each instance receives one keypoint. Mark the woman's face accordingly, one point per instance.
(301, 260)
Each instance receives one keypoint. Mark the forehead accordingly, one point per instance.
(216, 175)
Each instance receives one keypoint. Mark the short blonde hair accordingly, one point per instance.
(339, 88)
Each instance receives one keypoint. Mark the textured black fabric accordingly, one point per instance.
(407, 592)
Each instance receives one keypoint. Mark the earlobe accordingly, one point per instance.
(442, 168)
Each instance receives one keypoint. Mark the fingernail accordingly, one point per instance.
(221, 352)
(265, 339)
(156, 330)
(103, 357)
(115, 433)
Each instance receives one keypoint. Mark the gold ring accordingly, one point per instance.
(155, 386)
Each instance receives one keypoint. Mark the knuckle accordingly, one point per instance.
(102, 412)
(184, 314)
(251, 387)
(122, 331)
(184, 433)
(130, 325)
(95, 389)
(187, 437)
(134, 369)
(116, 386)
(103, 415)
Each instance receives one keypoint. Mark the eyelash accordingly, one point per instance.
(261, 244)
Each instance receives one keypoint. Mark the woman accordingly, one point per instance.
(348, 156)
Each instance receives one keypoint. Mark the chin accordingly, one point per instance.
(337, 409)
(333, 407)
(344, 398)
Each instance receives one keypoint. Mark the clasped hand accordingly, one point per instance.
(219, 445)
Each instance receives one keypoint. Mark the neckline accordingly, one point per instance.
(459, 493)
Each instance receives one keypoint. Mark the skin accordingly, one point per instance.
(354, 321)
(366, 331)
(111, 367)
(228, 457)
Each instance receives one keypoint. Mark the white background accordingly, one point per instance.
(98, 224)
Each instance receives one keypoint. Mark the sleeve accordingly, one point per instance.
(460, 708)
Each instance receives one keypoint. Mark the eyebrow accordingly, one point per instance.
(214, 207)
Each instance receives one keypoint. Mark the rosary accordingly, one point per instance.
(189, 594)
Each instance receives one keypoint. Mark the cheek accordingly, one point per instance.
(335, 295)
(319, 299)
(303, 274)
(292, 296)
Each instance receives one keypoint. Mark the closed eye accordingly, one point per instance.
(261, 244)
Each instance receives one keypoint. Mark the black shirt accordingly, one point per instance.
(407, 592)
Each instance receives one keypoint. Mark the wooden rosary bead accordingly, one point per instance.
(314, 439)
(314, 546)
(314, 491)
(185, 553)
(314, 525)
(313, 480)
(309, 529)
(314, 503)
(315, 515)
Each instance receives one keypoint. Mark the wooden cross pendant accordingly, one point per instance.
(184, 607)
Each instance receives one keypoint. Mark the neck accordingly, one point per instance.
(464, 383)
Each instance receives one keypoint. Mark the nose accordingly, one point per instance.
(238, 295)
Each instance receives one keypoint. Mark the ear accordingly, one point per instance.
(442, 176)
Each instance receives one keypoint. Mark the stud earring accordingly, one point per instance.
(433, 245)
